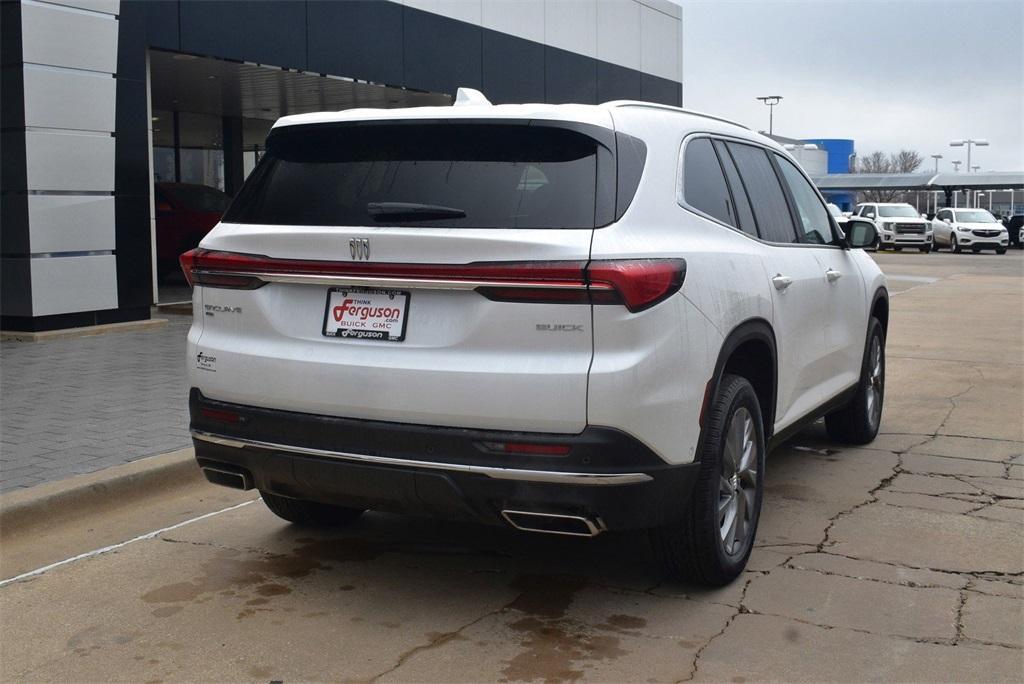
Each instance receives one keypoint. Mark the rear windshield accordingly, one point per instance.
(446, 175)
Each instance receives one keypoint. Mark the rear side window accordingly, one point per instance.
(765, 192)
(814, 226)
(704, 185)
(739, 193)
(437, 174)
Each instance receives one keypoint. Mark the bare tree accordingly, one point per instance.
(904, 161)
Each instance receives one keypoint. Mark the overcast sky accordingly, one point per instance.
(887, 74)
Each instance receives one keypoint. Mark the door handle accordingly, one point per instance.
(833, 275)
(781, 282)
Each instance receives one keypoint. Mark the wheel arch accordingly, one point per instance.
(750, 351)
(880, 309)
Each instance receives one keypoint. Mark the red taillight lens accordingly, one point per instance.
(221, 415)
(639, 283)
(187, 261)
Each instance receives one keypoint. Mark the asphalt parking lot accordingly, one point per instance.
(903, 561)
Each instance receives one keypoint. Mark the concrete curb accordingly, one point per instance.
(65, 333)
(107, 489)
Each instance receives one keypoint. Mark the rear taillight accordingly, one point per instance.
(637, 283)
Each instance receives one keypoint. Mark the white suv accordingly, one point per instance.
(567, 319)
(898, 224)
(973, 229)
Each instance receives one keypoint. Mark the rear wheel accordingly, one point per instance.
(711, 542)
(309, 513)
(858, 421)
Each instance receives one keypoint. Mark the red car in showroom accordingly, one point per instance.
(185, 213)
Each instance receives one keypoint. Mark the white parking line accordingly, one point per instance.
(114, 547)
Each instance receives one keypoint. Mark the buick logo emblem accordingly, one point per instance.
(359, 248)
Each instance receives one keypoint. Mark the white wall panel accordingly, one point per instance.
(69, 98)
(571, 25)
(106, 6)
(74, 283)
(521, 18)
(661, 43)
(618, 32)
(69, 161)
(70, 223)
(463, 10)
(61, 36)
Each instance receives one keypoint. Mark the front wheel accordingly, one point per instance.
(954, 245)
(926, 249)
(309, 513)
(1001, 250)
(710, 542)
(858, 421)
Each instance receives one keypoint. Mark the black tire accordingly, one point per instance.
(310, 513)
(858, 421)
(954, 245)
(1001, 250)
(975, 250)
(925, 249)
(692, 547)
(898, 249)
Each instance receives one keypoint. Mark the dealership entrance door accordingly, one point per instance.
(209, 119)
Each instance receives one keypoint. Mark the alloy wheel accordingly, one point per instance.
(875, 380)
(738, 482)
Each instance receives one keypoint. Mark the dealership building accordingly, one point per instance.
(103, 99)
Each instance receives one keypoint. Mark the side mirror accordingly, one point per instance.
(924, 216)
(860, 233)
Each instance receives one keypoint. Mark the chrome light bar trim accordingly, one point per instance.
(547, 476)
(397, 283)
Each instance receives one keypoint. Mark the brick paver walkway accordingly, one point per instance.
(80, 405)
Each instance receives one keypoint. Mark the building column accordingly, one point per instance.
(59, 91)
(234, 166)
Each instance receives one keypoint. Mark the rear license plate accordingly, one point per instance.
(362, 314)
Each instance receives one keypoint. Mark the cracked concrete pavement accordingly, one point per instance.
(900, 561)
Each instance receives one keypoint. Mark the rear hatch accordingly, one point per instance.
(424, 272)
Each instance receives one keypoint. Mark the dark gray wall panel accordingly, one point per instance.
(513, 69)
(161, 22)
(616, 82)
(656, 89)
(441, 54)
(356, 39)
(15, 290)
(270, 32)
(569, 77)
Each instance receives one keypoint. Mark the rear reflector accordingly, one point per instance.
(221, 415)
(636, 283)
(528, 448)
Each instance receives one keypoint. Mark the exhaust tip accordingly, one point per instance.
(554, 523)
(228, 478)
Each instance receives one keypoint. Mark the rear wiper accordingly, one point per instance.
(411, 211)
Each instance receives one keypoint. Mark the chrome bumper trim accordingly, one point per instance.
(546, 476)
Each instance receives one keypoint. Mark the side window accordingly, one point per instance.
(739, 193)
(704, 185)
(813, 226)
(869, 212)
(765, 192)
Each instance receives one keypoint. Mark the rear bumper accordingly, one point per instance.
(607, 476)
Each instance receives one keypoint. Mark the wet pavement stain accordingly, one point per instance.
(627, 622)
(255, 579)
(553, 644)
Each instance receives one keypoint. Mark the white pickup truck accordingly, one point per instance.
(898, 224)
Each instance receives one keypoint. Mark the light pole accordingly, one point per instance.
(956, 166)
(936, 157)
(968, 142)
(771, 101)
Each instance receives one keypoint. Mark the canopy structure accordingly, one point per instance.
(948, 182)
